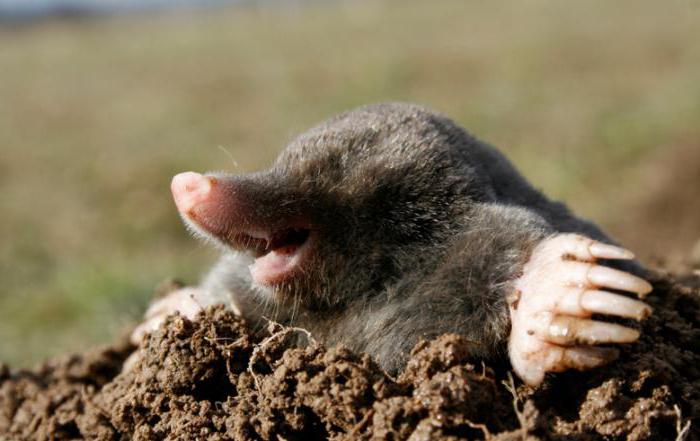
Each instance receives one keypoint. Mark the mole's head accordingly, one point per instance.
(346, 208)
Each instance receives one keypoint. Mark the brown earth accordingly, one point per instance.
(659, 215)
(213, 379)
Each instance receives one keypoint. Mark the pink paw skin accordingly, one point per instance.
(561, 287)
(187, 301)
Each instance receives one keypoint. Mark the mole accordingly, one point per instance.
(391, 223)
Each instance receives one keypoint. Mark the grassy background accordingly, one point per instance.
(592, 100)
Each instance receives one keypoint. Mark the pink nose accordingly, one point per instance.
(189, 189)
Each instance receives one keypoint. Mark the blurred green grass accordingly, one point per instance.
(97, 115)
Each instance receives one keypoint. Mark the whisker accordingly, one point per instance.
(228, 153)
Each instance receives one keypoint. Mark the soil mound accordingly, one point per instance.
(213, 378)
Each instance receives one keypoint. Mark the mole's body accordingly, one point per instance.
(390, 223)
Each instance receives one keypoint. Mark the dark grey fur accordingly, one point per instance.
(422, 230)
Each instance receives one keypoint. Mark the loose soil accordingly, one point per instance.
(212, 378)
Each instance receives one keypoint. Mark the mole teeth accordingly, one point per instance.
(258, 235)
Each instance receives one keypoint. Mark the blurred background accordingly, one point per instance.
(101, 102)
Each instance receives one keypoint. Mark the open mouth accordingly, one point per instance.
(289, 240)
(281, 257)
(224, 208)
(278, 255)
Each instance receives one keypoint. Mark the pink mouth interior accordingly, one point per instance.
(281, 258)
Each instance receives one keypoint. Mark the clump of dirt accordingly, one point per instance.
(212, 378)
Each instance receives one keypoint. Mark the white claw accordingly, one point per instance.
(582, 357)
(582, 303)
(602, 302)
(605, 251)
(605, 277)
(587, 250)
(560, 359)
(565, 330)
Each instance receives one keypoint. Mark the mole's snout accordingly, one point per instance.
(189, 189)
(239, 212)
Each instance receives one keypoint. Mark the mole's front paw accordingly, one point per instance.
(187, 301)
(561, 287)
